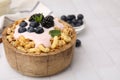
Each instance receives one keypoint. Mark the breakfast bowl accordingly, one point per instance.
(37, 62)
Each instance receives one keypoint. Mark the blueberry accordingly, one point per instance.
(78, 43)
(31, 29)
(80, 16)
(34, 24)
(74, 21)
(77, 24)
(80, 22)
(64, 18)
(71, 17)
(73, 25)
(22, 29)
(23, 24)
(68, 21)
(39, 30)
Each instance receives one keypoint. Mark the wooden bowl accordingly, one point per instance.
(42, 64)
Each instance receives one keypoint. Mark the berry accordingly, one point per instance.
(34, 24)
(49, 18)
(31, 29)
(68, 21)
(81, 22)
(77, 24)
(74, 21)
(31, 19)
(73, 25)
(80, 17)
(48, 22)
(22, 29)
(39, 30)
(71, 17)
(64, 18)
(78, 43)
(23, 24)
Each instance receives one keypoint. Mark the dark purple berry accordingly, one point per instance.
(68, 21)
(64, 18)
(78, 43)
(39, 30)
(77, 24)
(32, 18)
(34, 24)
(74, 21)
(48, 22)
(71, 17)
(22, 29)
(31, 29)
(73, 25)
(80, 17)
(49, 18)
(80, 22)
(23, 24)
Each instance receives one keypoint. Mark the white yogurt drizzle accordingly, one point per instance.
(43, 38)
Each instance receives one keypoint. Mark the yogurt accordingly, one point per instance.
(43, 38)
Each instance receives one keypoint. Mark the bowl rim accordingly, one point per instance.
(56, 51)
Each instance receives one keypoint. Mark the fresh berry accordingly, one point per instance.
(31, 29)
(48, 22)
(72, 24)
(34, 24)
(78, 43)
(80, 17)
(81, 22)
(22, 29)
(23, 24)
(64, 18)
(77, 24)
(68, 21)
(49, 17)
(32, 18)
(74, 21)
(71, 17)
(39, 30)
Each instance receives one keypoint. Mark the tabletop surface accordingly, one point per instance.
(99, 56)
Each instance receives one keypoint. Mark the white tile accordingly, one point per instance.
(109, 73)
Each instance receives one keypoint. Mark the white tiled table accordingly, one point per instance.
(99, 56)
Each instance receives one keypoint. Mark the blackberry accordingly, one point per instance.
(47, 22)
(31, 19)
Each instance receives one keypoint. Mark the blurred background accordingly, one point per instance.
(99, 56)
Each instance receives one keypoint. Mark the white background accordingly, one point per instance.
(99, 56)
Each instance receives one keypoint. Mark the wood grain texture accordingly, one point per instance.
(0, 40)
